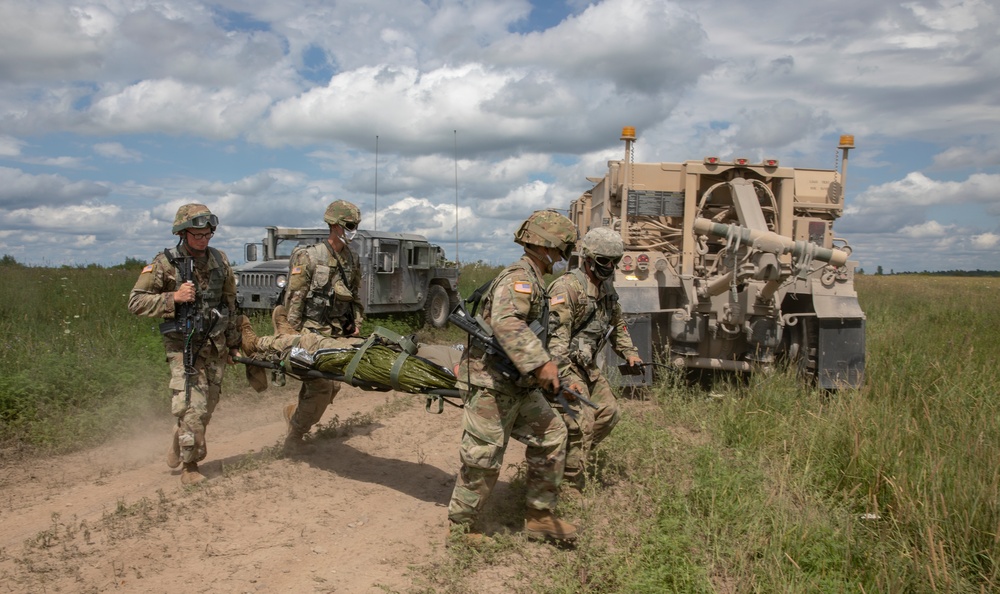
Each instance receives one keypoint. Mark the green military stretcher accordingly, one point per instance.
(384, 361)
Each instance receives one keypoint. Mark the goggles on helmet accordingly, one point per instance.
(604, 267)
(606, 262)
(203, 220)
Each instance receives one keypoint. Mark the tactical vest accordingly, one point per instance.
(321, 305)
(209, 297)
(587, 337)
(539, 313)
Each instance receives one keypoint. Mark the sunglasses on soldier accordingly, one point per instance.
(606, 262)
(350, 226)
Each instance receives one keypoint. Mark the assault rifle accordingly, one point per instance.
(626, 369)
(188, 320)
(347, 324)
(502, 363)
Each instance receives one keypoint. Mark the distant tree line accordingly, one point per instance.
(970, 273)
(8, 260)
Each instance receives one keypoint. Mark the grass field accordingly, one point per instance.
(763, 486)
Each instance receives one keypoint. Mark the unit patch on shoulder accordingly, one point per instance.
(522, 287)
(296, 270)
(557, 299)
(148, 268)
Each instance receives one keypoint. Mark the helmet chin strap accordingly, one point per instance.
(543, 258)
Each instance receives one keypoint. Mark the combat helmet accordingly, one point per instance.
(603, 249)
(194, 216)
(602, 242)
(548, 228)
(340, 212)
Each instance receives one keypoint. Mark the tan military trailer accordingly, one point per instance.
(732, 265)
(402, 272)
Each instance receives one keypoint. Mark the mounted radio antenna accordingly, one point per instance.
(456, 197)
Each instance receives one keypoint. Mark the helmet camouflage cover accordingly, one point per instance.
(194, 216)
(342, 211)
(548, 228)
(603, 243)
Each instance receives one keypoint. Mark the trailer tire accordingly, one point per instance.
(436, 308)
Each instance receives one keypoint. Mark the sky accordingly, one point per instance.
(115, 112)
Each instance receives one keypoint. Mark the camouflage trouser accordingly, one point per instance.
(314, 396)
(591, 426)
(491, 417)
(194, 414)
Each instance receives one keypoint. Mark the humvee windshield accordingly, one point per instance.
(285, 247)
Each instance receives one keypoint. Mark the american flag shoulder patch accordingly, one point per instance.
(557, 299)
(522, 287)
(296, 270)
(148, 268)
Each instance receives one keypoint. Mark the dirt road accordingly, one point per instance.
(353, 516)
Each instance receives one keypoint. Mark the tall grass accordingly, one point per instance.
(769, 486)
(76, 367)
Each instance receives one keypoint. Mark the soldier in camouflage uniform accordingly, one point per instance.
(323, 296)
(196, 388)
(496, 407)
(585, 315)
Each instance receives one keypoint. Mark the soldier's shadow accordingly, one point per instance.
(418, 480)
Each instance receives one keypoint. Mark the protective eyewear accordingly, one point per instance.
(606, 262)
(207, 235)
(350, 226)
(204, 220)
(567, 250)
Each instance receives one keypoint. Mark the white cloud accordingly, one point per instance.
(986, 241)
(960, 157)
(644, 46)
(10, 146)
(927, 230)
(117, 152)
(916, 189)
(173, 107)
(20, 190)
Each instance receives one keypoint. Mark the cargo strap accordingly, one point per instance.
(409, 348)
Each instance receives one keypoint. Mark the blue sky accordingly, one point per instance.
(115, 112)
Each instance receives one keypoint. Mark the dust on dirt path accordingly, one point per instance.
(356, 515)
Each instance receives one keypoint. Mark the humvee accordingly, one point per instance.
(401, 272)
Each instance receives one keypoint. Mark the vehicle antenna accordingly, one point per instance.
(375, 227)
(456, 197)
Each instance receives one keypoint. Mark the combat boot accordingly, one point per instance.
(174, 452)
(543, 524)
(190, 474)
(248, 338)
(279, 319)
(464, 534)
(294, 444)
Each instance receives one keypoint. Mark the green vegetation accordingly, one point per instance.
(758, 486)
(768, 486)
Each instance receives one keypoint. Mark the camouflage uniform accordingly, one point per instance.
(152, 296)
(323, 289)
(496, 407)
(582, 313)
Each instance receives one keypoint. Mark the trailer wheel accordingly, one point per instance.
(436, 308)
